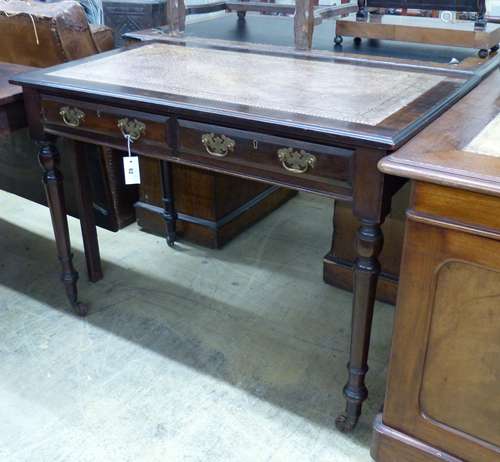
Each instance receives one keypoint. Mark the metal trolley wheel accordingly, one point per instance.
(483, 53)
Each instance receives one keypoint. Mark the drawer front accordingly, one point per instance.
(290, 162)
(107, 122)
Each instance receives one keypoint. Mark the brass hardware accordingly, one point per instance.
(133, 128)
(71, 116)
(296, 161)
(218, 145)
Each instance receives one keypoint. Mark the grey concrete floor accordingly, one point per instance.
(187, 355)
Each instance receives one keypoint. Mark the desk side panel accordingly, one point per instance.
(444, 373)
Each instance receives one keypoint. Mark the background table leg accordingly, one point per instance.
(361, 13)
(366, 270)
(53, 182)
(86, 212)
(303, 24)
(169, 213)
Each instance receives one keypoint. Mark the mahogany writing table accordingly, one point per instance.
(312, 123)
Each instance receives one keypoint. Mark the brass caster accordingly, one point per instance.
(345, 424)
(81, 309)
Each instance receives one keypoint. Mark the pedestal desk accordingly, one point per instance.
(312, 123)
(443, 393)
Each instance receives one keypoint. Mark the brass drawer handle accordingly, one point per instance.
(218, 145)
(296, 161)
(133, 128)
(71, 116)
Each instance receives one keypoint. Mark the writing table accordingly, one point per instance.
(312, 123)
(442, 401)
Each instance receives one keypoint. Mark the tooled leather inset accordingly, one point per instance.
(331, 90)
(487, 142)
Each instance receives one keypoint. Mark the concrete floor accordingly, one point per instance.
(187, 355)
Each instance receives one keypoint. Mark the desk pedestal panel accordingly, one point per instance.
(443, 400)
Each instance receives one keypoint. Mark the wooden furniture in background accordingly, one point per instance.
(306, 13)
(430, 31)
(211, 208)
(11, 99)
(131, 15)
(474, 6)
(64, 34)
(443, 392)
(301, 142)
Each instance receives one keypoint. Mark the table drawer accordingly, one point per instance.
(308, 165)
(107, 121)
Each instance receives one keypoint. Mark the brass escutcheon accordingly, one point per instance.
(218, 145)
(71, 116)
(133, 128)
(296, 161)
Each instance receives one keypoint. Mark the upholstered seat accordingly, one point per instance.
(43, 34)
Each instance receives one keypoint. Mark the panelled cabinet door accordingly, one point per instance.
(444, 385)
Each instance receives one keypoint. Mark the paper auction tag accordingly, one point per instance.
(131, 165)
(131, 170)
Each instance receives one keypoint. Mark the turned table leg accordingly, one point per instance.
(53, 182)
(366, 270)
(480, 22)
(303, 24)
(169, 213)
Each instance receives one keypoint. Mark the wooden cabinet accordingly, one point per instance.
(443, 392)
(444, 382)
(212, 208)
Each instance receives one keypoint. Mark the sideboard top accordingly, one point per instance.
(461, 148)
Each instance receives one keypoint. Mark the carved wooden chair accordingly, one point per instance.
(307, 14)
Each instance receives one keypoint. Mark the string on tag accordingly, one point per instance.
(131, 164)
(129, 142)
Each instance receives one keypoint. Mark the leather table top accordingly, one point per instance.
(333, 90)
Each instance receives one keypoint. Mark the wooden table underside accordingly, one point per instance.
(288, 147)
